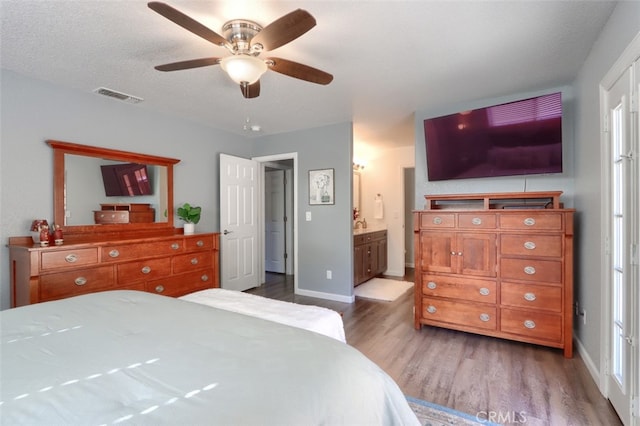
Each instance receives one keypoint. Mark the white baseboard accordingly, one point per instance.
(392, 273)
(327, 296)
(591, 367)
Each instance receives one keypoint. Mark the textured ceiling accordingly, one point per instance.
(388, 58)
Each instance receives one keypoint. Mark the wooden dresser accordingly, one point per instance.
(496, 264)
(370, 255)
(171, 265)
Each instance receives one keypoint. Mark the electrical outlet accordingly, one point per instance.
(329, 275)
(307, 216)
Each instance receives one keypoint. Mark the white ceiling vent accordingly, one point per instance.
(118, 95)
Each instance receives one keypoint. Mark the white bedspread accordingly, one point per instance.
(128, 357)
(313, 318)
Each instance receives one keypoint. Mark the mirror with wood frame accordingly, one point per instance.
(107, 190)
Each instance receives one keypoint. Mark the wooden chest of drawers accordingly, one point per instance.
(494, 269)
(172, 265)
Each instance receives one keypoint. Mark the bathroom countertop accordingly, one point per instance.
(370, 228)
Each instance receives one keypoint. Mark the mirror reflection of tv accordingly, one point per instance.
(516, 138)
(129, 179)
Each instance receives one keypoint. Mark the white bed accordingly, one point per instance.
(127, 357)
(314, 318)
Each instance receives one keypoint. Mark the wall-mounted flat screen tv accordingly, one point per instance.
(516, 138)
(127, 179)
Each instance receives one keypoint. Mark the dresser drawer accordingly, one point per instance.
(531, 245)
(67, 284)
(199, 243)
(459, 288)
(460, 313)
(69, 258)
(549, 271)
(437, 220)
(532, 221)
(136, 251)
(476, 221)
(547, 298)
(144, 270)
(532, 324)
(179, 285)
(191, 262)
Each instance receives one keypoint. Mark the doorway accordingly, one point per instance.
(278, 218)
(621, 215)
(278, 210)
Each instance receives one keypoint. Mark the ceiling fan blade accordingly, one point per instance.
(192, 63)
(187, 23)
(250, 90)
(300, 71)
(284, 29)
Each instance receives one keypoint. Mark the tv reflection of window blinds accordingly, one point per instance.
(528, 110)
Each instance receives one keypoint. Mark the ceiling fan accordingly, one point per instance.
(246, 40)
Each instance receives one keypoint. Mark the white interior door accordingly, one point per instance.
(621, 137)
(239, 180)
(274, 209)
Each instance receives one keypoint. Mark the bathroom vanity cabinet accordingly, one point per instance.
(370, 254)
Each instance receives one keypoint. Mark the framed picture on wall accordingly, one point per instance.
(321, 187)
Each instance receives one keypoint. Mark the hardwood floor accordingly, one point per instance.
(507, 382)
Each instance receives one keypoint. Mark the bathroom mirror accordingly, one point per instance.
(356, 190)
(81, 184)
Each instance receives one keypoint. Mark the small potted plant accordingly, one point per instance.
(191, 215)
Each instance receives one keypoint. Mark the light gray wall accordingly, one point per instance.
(34, 111)
(552, 182)
(325, 242)
(621, 28)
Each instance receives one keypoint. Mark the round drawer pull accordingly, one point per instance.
(529, 221)
(204, 277)
(476, 221)
(453, 253)
(431, 285)
(529, 270)
(200, 243)
(194, 261)
(114, 253)
(145, 270)
(71, 258)
(484, 317)
(437, 220)
(530, 297)
(530, 324)
(484, 291)
(530, 245)
(459, 253)
(431, 309)
(80, 281)
(175, 246)
(159, 288)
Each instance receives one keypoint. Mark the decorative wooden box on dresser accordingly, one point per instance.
(497, 264)
(172, 265)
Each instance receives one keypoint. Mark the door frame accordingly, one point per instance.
(262, 163)
(624, 62)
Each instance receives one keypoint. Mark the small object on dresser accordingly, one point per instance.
(36, 231)
(44, 236)
(57, 235)
(190, 215)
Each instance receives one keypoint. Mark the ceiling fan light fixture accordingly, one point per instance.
(243, 68)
